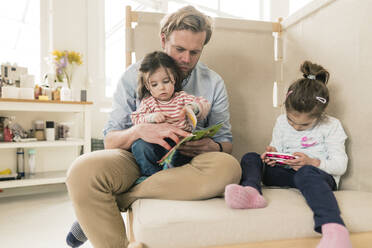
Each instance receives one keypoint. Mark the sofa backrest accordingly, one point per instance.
(241, 51)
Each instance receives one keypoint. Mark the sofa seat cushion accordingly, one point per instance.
(168, 223)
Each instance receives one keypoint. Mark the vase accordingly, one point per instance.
(66, 94)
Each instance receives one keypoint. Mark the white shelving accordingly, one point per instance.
(48, 177)
(41, 178)
(57, 143)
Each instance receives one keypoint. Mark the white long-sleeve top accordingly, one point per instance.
(325, 141)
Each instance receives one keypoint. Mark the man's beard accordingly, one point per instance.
(186, 74)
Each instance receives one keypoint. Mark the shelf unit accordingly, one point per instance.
(49, 177)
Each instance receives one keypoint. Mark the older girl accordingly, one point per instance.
(317, 141)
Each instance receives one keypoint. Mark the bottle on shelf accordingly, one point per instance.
(31, 161)
(20, 162)
(49, 131)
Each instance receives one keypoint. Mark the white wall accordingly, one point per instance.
(79, 25)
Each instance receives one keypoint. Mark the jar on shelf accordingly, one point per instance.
(39, 130)
(64, 130)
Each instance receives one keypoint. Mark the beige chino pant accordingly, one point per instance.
(99, 184)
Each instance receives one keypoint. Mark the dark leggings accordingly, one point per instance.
(315, 185)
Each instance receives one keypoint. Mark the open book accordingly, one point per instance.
(196, 135)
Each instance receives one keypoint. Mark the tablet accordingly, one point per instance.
(278, 156)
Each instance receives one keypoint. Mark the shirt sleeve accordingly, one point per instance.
(336, 161)
(139, 116)
(219, 113)
(276, 139)
(124, 102)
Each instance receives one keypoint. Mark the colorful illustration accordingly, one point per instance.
(196, 135)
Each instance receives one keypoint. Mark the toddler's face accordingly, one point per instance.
(161, 84)
(301, 121)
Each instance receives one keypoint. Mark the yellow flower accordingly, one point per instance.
(65, 62)
(74, 57)
(57, 54)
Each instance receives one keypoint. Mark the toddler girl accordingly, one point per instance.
(318, 143)
(159, 89)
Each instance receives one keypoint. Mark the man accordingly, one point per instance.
(100, 183)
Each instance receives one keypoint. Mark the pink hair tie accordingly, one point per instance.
(288, 93)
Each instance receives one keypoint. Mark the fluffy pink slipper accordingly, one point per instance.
(334, 236)
(237, 196)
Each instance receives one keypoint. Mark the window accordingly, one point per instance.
(20, 34)
(295, 5)
(115, 39)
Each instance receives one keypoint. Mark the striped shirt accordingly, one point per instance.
(171, 108)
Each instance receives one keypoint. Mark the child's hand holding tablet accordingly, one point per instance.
(278, 158)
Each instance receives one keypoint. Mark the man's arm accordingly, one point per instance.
(121, 138)
(226, 147)
(152, 133)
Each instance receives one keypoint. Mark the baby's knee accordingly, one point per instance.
(140, 144)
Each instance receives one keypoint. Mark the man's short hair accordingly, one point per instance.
(187, 18)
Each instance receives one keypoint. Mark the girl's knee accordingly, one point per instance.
(250, 156)
(305, 173)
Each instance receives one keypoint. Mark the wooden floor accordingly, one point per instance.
(359, 240)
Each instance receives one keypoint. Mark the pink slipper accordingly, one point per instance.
(334, 236)
(237, 196)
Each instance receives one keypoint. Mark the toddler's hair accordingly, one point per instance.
(152, 62)
(310, 93)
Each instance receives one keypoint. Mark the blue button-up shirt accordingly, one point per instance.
(201, 82)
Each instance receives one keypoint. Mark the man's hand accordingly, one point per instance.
(301, 160)
(156, 133)
(267, 160)
(194, 148)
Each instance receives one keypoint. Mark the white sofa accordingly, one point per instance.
(210, 223)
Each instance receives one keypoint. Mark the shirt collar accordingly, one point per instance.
(187, 79)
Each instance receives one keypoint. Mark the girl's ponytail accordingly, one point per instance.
(314, 71)
(309, 94)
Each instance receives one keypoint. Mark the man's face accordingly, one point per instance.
(185, 47)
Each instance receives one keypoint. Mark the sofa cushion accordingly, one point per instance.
(168, 223)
